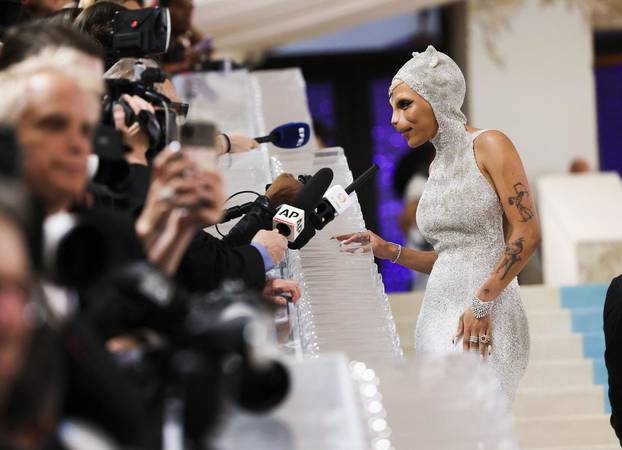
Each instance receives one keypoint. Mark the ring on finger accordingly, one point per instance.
(165, 194)
(484, 339)
(473, 340)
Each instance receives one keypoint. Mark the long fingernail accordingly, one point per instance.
(489, 350)
(481, 356)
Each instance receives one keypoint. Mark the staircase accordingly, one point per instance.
(562, 401)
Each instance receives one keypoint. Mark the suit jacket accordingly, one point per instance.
(612, 316)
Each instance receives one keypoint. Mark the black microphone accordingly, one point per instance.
(290, 219)
(288, 135)
(335, 202)
(362, 179)
(236, 211)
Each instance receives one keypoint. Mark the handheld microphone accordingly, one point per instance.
(290, 219)
(288, 135)
(331, 205)
(337, 200)
(236, 211)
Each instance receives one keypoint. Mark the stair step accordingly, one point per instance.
(540, 297)
(549, 347)
(594, 345)
(587, 430)
(561, 374)
(587, 320)
(549, 321)
(559, 402)
(588, 295)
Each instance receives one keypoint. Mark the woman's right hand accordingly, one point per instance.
(369, 241)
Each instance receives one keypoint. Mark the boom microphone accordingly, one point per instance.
(362, 179)
(288, 135)
(337, 200)
(290, 219)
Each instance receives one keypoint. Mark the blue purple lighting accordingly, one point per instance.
(388, 148)
(322, 106)
(609, 105)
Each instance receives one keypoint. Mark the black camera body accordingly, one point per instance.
(161, 127)
(213, 348)
(141, 32)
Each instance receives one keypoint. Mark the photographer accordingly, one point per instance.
(54, 112)
(21, 420)
(246, 253)
(125, 69)
(208, 253)
(208, 260)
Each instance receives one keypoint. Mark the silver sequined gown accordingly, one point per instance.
(460, 215)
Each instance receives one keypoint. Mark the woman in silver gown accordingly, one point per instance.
(478, 214)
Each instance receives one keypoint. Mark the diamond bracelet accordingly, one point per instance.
(481, 309)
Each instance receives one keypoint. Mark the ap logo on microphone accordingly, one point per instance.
(290, 221)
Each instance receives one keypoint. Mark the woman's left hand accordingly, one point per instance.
(469, 326)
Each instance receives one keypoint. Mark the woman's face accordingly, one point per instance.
(412, 115)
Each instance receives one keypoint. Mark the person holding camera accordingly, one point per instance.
(54, 106)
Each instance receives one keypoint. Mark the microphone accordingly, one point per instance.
(335, 202)
(290, 219)
(236, 211)
(288, 135)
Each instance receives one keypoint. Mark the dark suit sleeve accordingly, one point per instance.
(97, 390)
(138, 187)
(612, 316)
(209, 261)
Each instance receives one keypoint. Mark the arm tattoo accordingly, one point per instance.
(511, 256)
(521, 192)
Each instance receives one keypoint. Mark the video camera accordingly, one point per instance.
(161, 127)
(141, 33)
(212, 348)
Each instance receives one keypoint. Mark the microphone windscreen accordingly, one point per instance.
(312, 192)
(291, 135)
